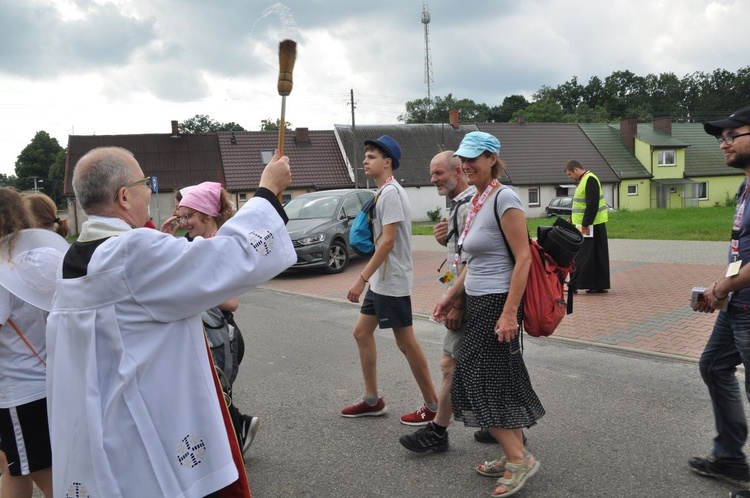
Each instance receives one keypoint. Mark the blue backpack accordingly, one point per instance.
(360, 233)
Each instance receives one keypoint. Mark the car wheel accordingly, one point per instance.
(337, 257)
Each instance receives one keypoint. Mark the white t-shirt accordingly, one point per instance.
(395, 275)
(22, 374)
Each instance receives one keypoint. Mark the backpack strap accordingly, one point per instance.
(497, 217)
(25, 341)
(510, 251)
(375, 242)
(454, 231)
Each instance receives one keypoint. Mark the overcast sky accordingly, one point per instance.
(107, 67)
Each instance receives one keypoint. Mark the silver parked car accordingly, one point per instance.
(319, 225)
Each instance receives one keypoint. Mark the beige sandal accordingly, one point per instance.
(495, 468)
(520, 473)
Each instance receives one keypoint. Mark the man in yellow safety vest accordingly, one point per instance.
(590, 216)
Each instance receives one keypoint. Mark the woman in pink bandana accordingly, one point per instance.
(202, 211)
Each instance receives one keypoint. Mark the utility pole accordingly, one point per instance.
(354, 141)
(37, 179)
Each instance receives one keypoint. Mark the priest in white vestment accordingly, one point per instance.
(133, 405)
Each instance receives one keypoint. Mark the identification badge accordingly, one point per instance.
(447, 277)
(734, 268)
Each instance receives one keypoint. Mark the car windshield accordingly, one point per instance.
(305, 208)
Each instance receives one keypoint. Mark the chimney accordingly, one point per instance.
(521, 120)
(628, 130)
(453, 118)
(302, 136)
(175, 129)
(663, 125)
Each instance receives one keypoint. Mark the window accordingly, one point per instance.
(266, 156)
(632, 189)
(666, 158)
(533, 196)
(703, 191)
(286, 198)
(350, 207)
(242, 196)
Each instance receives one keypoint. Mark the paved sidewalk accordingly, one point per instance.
(647, 309)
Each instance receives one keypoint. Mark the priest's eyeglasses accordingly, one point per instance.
(143, 181)
(729, 139)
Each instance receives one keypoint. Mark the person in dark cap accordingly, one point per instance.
(387, 303)
(729, 343)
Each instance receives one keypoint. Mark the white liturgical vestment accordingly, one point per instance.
(133, 409)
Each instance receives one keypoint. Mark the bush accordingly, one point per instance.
(434, 214)
(730, 199)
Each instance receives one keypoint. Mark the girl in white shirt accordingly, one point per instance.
(24, 429)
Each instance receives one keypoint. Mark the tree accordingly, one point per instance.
(202, 123)
(7, 180)
(34, 163)
(696, 97)
(438, 111)
(585, 114)
(504, 112)
(57, 177)
(545, 112)
(625, 94)
(270, 125)
(666, 95)
(416, 111)
(593, 93)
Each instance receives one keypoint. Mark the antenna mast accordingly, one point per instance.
(428, 78)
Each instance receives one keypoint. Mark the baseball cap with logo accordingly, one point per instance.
(737, 119)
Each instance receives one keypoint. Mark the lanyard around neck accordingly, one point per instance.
(476, 204)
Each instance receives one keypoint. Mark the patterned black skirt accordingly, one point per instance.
(491, 386)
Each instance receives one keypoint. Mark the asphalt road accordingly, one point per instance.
(617, 424)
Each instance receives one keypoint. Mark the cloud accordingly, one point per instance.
(131, 66)
(38, 43)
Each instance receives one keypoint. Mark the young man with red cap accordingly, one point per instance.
(387, 303)
(729, 343)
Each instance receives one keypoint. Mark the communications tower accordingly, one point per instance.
(428, 79)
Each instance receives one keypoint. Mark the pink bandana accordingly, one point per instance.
(204, 197)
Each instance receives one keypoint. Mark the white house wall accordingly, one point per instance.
(423, 199)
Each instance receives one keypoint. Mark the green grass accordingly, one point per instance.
(711, 224)
(422, 228)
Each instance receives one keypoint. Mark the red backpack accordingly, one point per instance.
(544, 304)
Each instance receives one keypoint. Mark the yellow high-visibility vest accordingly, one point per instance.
(579, 202)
